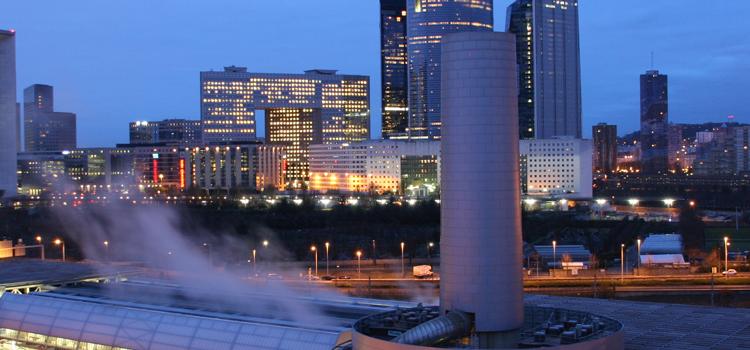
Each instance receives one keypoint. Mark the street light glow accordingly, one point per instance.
(58, 241)
(601, 201)
(633, 201)
(669, 202)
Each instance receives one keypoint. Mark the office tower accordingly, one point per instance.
(557, 167)
(605, 147)
(549, 67)
(394, 68)
(654, 122)
(8, 113)
(19, 146)
(319, 106)
(44, 129)
(172, 132)
(428, 21)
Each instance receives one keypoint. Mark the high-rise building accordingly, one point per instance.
(549, 67)
(654, 122)
(44, 129)
(8, 114)
(428, 21)
(605, 147)
(394, 68)
(172, 132)
(319, 106)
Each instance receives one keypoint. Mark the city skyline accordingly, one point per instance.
(164, 84)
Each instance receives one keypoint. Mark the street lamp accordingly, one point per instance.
(328, 245)
(622, 262)
(254, 266)
(359, 264)
(554, 254)
(403, 272)
(726, 257)
(39, 241)
(429, 250)
(315, 250)
(60, 243)
(106, 249)
(638, 262)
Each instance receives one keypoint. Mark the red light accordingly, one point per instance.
(156, 170)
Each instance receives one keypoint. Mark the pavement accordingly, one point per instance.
(665, 326)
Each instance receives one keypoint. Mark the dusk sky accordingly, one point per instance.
(112, 62)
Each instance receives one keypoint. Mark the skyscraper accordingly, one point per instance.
(394, 68)
(428, 21)
(549, 67)
(654, 122)
(8, 114)
(319, 106)
(44, 129)
(605, 147)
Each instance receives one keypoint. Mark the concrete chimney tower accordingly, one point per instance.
(481, 240)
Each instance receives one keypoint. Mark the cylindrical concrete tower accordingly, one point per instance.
(481, 215)
(8, 114)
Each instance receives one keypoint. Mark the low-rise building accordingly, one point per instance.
(557, 167)
(374, 166)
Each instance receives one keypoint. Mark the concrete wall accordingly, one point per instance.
(8, 113)
(481, 213)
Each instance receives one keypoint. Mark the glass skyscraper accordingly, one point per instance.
(654, 122)
(549, 67)
(427, 22)
(44, 129)
(8, 114)
(394, 68)
(319, 106)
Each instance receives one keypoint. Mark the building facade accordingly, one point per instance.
(271, 168)
(172, 132)
(428, 21)
(219, 168)
(319, 106)
(394, 68)
(40, 173)
(654, 123)
(8, 114)
(558, 167)
(549, 67)
(44, 129)
(99, 169)
(371, 166)
(605, 148)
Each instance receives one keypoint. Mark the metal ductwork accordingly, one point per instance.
(451, 326)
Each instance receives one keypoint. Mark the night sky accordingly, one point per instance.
(112, 62)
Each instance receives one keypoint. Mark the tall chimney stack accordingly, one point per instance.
(481, 239)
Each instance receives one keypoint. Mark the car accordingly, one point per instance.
(274, 276)
(730, 272)
(327, 278)
(345, 277)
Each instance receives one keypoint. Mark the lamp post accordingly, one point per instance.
(60, 243)
(106, 249)
(726, 256)
(554, 255)
(429, 251)
(255, 271)
(328, 245)
(622, 262)
(403, 272)
(638, 261)
(315, 251)
(359, 264)
(39, 241)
